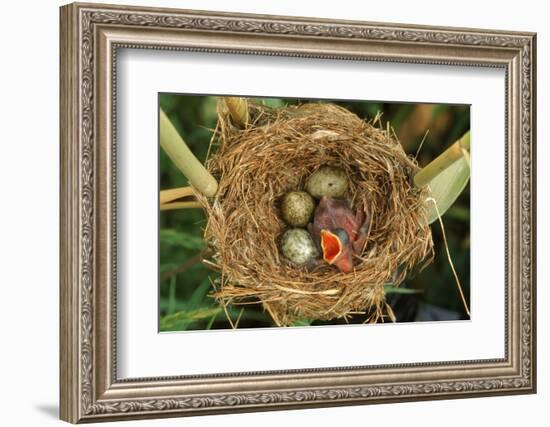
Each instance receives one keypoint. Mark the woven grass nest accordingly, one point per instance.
(276, 153)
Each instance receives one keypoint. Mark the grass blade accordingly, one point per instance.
(446, 176)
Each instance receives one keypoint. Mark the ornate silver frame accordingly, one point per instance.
(90, 36)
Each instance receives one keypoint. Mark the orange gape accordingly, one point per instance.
(331, 246)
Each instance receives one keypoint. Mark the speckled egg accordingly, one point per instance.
(327, 181)
(297, 208)
(298, 246)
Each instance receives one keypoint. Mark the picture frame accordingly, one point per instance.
(91, 36)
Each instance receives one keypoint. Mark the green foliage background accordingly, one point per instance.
(185, 282)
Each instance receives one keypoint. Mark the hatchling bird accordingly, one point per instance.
(339, 232)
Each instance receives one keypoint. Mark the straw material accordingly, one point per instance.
(276, 154)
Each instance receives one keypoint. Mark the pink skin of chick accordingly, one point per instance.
(334, 221)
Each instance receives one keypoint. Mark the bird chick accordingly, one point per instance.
(339, 232)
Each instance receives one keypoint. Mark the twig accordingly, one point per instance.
(239, 318)
(421, 144)
(188, 263)
(174, 194)
(299, 291)
(228, 317)
(459, 286)
(180, 205)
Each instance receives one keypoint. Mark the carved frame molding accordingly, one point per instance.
(90, 37)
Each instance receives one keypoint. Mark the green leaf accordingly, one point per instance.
(211, 321)
(180, 238)
(172, 296)
(199, 295)
(391, 289)
(182, 319)
(167, 267)
(302, 322)
(459, 213)
(446, 186)
(273, 102)
(446, 177)
(164, 305)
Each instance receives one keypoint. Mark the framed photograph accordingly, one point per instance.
(266, 212)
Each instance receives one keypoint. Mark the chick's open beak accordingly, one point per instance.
(331, 246)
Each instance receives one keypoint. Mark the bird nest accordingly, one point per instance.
(275, 154)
